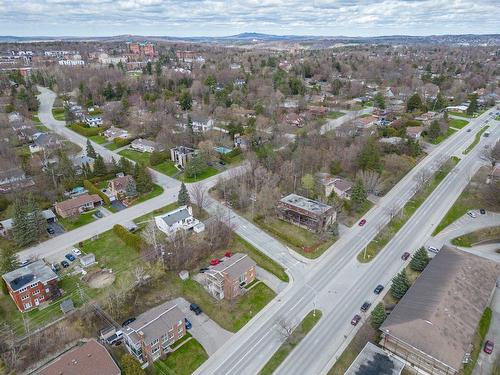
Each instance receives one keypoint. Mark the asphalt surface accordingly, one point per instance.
(350, 115)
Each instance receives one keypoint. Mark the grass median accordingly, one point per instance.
(291, 342)
(476, 140)
(390, 230)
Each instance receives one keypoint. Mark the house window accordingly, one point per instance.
(25, 297)
(47, 290)
(154, 342)
(36, 292)
(27, 305)
(41, 298)
(243, 278)
(23, 289)
(155, 350)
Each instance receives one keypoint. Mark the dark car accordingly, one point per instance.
(195, 308)
(362, 222)
(65, 264)
(468, 130)
(405, 255)
(70, 257)
(488, 346)
(365, 306)
(378, 289)
(99, 214)
(202, 270)
(355, 320)
(128, 321)
(56, 267)
(187, 323)
(482, 211)
(51, 230)
(222, 163)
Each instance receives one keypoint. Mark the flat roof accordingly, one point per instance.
(372, 360)
(440, 312)
(36, 271)
(234, 266)
(306, 204)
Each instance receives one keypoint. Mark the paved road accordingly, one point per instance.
(338, 284)
(350, 115)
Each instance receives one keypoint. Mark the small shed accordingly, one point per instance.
(198, 228)
(184, 275)
(67, 306)
(87, 260)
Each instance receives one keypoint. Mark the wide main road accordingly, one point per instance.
(338, 284)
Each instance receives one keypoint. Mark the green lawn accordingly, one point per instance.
(456, 123)
(460, 114)
(469, 239)
(184, 361)
(209, 172)
(297, 335)
(58, 114)
(390, 230)
(139, 157)
(167, 167)
(99, 139)
(334, 115)
(303, 241)
(442, 137)
(83, 219)
(477, 138)
(42, 128)
(157, 190)
(157, 212)
(112, 146)
(36, 119)
(497, 118)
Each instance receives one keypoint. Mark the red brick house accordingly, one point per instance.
(227, 279)
(75, 206)
(118, 185)
(31, 285)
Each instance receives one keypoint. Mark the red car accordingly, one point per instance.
(214, 262)
(405, 255)
(362, 222)
(488, 346)
(228, 254)
(355, 320)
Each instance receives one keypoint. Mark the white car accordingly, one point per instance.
(76, 251)
(472, 214)
(433, 249)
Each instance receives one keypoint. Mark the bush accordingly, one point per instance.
(129, 238)
(93, 190)
(85, 131)
(378, 315)
(120, 142)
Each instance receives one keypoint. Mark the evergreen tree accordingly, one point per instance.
(8, 260)
(183, 196)
(379, 100)
(414, 148)
(369, 157)
(130, 189)
(131, 366)
(125, 166)
(196, 166)
(99, 166)
(434, 130)
(185, 100)
(90, 150)
(400, 285)
(37, 223)
(144, 183)
(440, 102)
(473, 105)
(420, 260)
(20, 224)
(414, 103)
(378, 315)
(66, 170)
(358, 195)
(114, 166)
(335, 167)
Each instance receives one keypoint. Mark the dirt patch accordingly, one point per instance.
(100, 279)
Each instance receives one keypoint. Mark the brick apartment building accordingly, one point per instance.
(227, 279)
(31, 285)
(145, 48)
(149, 337)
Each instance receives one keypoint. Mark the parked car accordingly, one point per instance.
(188, 323)
(365, 306)
(488, 346)
(228, 254)
(378, 289)
(202, 270)
(65, 264)
(128, 321)
(195, 308)
(433, 249)
(70, 257)
(99, 214)
(472, 214)
(482, 211)
(468, 130)
(362, 222)
(76, 251)
(355, 320)
(51, 230)
(214, 262)
(114, 337)
(405, 255)
(56, 267)
(222, 163)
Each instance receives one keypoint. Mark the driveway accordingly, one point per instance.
(58, 229)
(270, 280)
(208, 333)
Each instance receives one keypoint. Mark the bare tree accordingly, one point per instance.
(199, 194)
(284, 328)
(422, 178)
(392, 211)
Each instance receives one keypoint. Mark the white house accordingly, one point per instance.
(93, 121)
(71, 62)
(114, 132)
(180, 155)
(180, 218)
(145, 145)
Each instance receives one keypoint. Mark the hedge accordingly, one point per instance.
(129, 238)
(93, 190)
(83, 130)
(120, 142)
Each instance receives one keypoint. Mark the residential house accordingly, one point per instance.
(69, 62)
(330, 183)
(294, 119)
(180, 155)
(227, 280)
(93, 121)
(114, 132)
(180, 218)
(366, 122)
(457, 108)
(414, 132)
(433, 325)
(44, 142)
(89, 358)
(317, 111)
(201, 124)
(145, 145)
(14, 178)
(428, 117)
(118, 186)
(150, 336)
(31, 285)
(306, 213)
(75, 206)
(80, 162)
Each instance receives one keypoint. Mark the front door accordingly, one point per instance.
(37, 302)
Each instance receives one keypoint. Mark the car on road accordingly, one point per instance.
(76, 251)
(405, 255)
(378, 289)
(362, 222)
(433, 249)
(204, 269)
(70, 257)
(195, 308)
(64, 264)
(472, 214)
(482, 211)
(51, 230)
(128, 321)
(468, 130)
(365, 306)
(99, 214)
(488, 346)
(355, 320)
(187, 323)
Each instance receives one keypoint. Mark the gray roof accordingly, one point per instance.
(233, 266)
(80, 161)
(33, 272)
(155, 322)
(439, 313)
(374, 361)
(67, 305)
(171, 218)
(306, 204)
(48, 214)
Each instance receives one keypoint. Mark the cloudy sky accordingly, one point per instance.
(219, 17)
